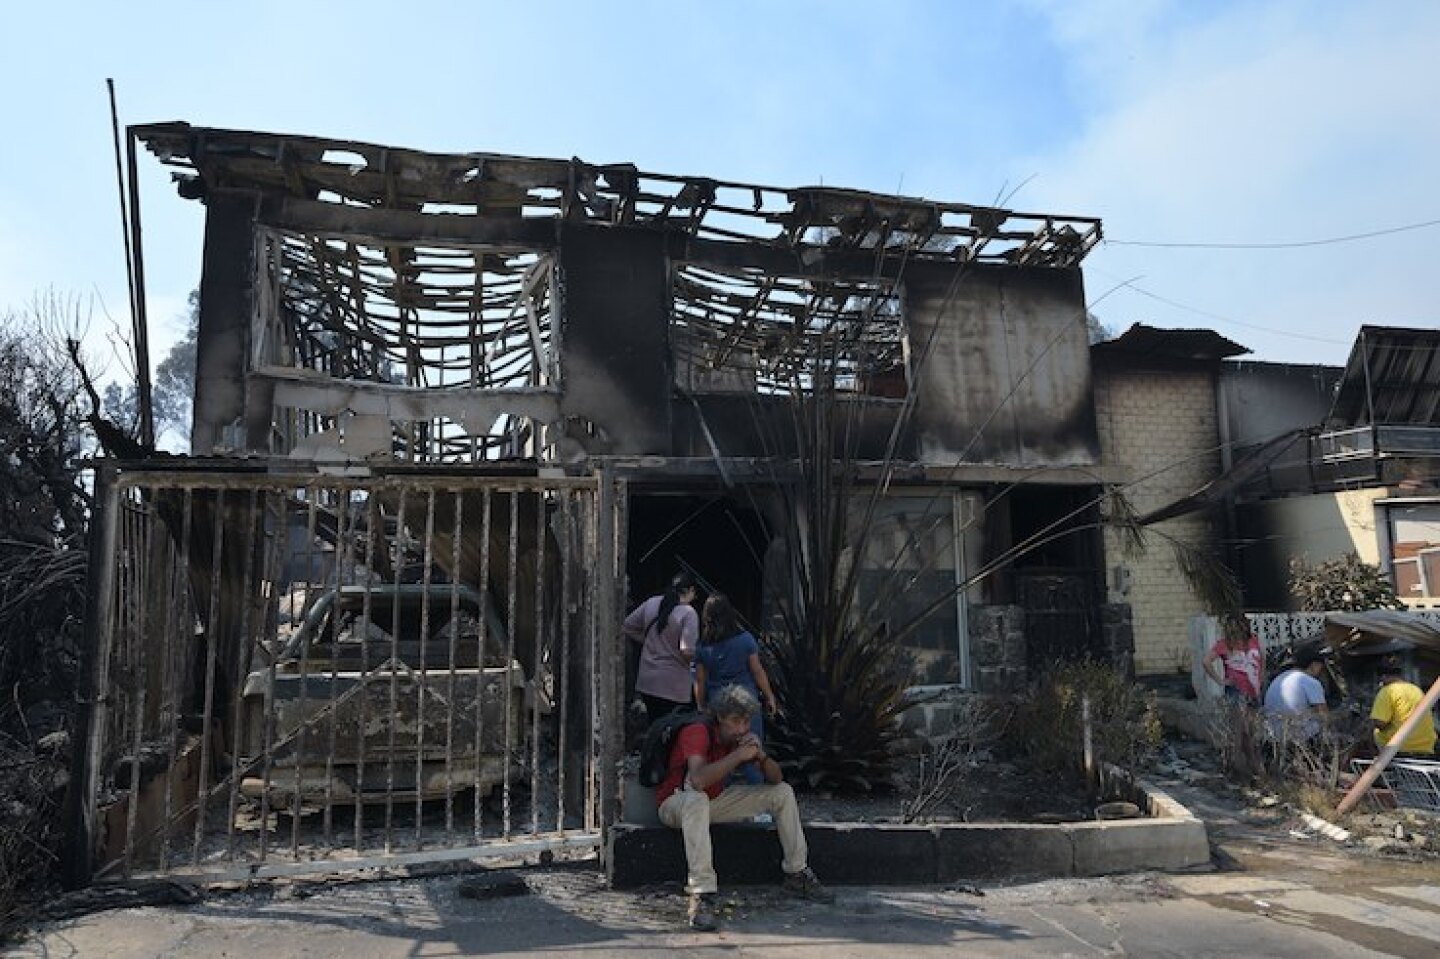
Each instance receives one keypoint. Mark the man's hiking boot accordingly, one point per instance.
(702, 912)
(805, 885)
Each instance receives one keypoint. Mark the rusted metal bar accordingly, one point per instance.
(456, 534)
(142, 326)
(212, 651)
(607, 721)
(615, 643)
(344, 567)
(392, 668)
(483, 583)
(422, 688)
(512, 574)
(296, 799)
(561, 671)
(367, 609)
(270, 705)
(242, 668)
(538, 661)
(178, 613)
(138, 661)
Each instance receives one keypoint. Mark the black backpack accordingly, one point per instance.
(659, 738)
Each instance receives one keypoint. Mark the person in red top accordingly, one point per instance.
(1241, 662)
(694, 794)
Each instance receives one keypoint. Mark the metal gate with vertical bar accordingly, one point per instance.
(299, 672)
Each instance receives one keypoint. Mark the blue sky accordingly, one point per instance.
(1219, 122)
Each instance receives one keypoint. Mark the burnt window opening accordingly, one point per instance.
(429, 317)
(749, 331)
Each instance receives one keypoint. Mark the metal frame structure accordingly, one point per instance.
(418, 732)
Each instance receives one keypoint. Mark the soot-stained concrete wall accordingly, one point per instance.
(223, 340)
(1007, 379)
(614, 345)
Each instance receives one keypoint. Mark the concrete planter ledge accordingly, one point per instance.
(1168, 837)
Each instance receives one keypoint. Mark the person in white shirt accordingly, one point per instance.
(1295, 702)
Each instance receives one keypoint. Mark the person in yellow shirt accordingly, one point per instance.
(1394, 703)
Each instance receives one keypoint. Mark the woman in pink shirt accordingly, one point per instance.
(1242, 672)
(667, 628)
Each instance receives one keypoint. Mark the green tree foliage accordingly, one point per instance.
(173, 389)
(1344, 584)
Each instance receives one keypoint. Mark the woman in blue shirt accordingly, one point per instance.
(730, 656)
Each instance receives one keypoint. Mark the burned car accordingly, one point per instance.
(397, 690)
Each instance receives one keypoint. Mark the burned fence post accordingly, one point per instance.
(94, 673)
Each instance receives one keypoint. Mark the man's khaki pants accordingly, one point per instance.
(692, 812)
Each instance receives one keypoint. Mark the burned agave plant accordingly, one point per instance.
(839, 674)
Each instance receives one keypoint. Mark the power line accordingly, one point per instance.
(1130, 285)
(1294, 245)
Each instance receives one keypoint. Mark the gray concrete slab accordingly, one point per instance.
(569, 911)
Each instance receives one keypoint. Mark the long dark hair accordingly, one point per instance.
(719, 620)
(680, 582)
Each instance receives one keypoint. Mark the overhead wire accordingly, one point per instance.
(1230, 321)
(1278, 245)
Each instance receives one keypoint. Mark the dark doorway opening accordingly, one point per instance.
(1057, 581)
(721, 541)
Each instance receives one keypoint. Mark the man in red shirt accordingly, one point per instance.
(694, 794)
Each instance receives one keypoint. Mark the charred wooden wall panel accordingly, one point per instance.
(615, 351)
(1007, 379)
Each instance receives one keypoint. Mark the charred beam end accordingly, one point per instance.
(383, 227)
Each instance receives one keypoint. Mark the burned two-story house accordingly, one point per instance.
(553, 383)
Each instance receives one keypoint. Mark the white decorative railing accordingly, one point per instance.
(1272, 629)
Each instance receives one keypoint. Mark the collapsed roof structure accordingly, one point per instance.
(428, 282)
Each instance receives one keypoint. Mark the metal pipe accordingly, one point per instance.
(142, 326)
(120, 191)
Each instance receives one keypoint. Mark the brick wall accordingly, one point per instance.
(1160, 427)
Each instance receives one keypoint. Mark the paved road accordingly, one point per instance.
(1278, 899)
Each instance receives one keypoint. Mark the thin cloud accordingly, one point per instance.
(1254, 127)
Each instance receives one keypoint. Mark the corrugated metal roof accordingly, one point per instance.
(1153, 342)
(1396, 373)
